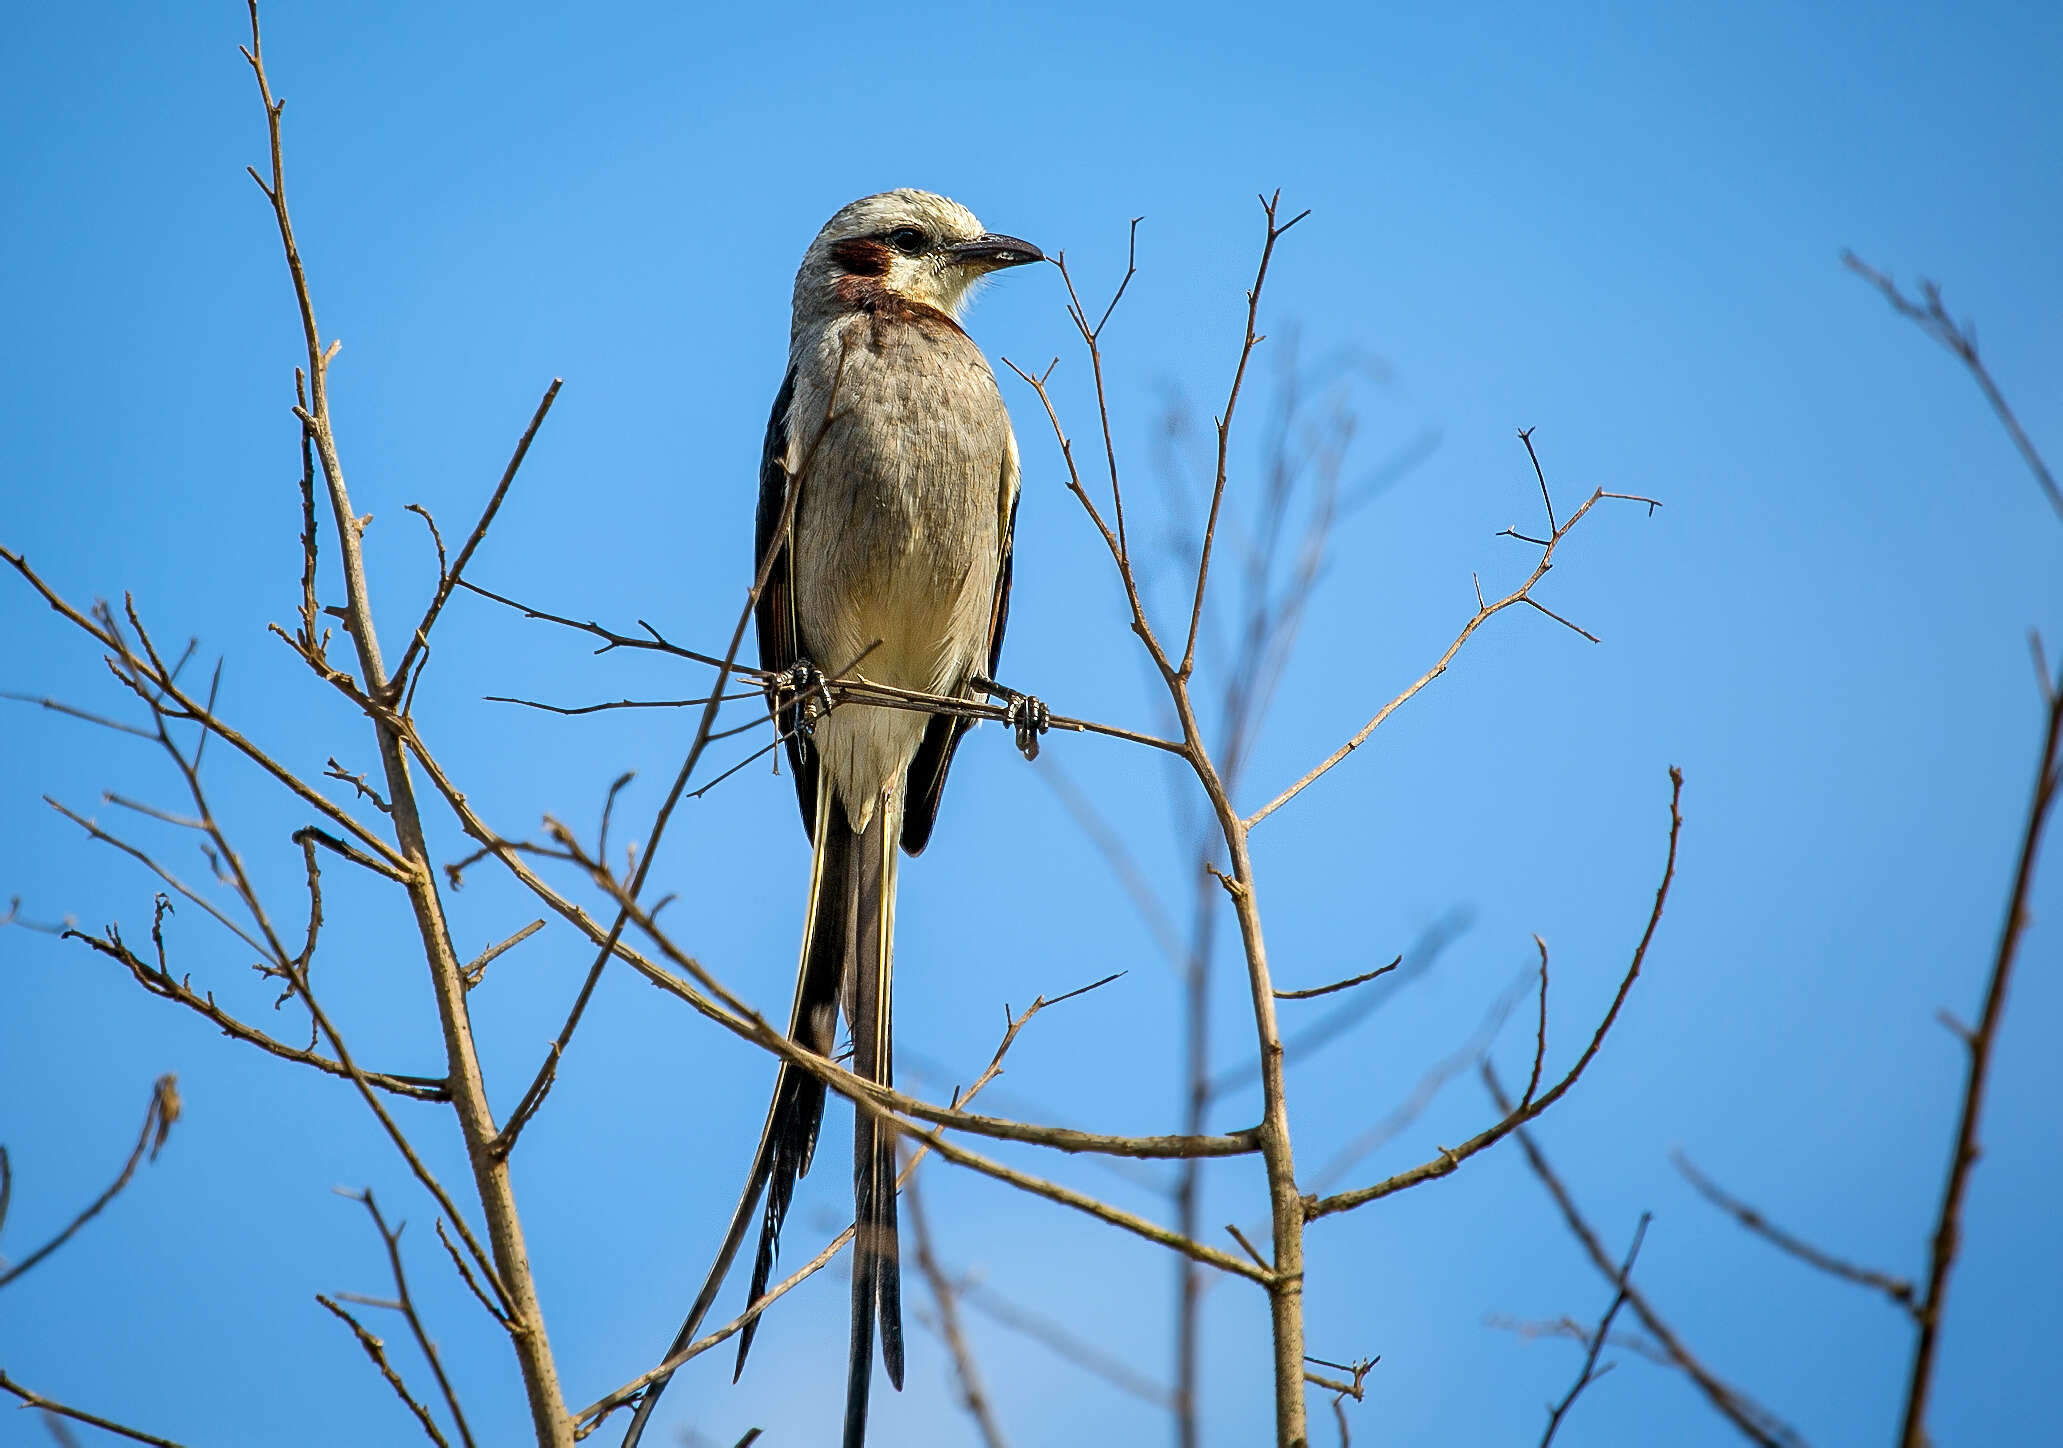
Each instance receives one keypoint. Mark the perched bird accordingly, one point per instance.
(890, 456)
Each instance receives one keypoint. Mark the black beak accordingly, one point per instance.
(991, 252)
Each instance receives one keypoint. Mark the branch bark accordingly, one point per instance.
(447, 974)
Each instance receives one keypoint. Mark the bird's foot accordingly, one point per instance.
(803, 688)
(1024, 714)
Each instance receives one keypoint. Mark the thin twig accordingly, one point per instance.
(157, 1123)
(1483, 614)
(390, 1238)
(591, 1417)
(1591, 1372)
(966, 1372)
(161, 982)
(1338, 985)
(1948, 1225)
(476, 968)
(1932, 316)
(448, 580)
(377, 1351)
(1897, 1289)
(1756, 1422)
(507, 1269)
(79, 1415)
(1224, 420)
(1062, 1340)
(1451, 1158)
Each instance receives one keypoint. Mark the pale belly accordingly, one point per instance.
(895, 581)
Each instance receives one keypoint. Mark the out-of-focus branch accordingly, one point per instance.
(1932, 317)
(79, 1415)
(1429, 1085)
(1591, 1371)
(945, 1295)
(1576, 1332)
(1062, 1340)
(1897, 1289)
(1755, 1422)
(157, 1125)
(1979, 1043)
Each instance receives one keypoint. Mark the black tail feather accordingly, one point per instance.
(798, 1110)
(847, 948)
(876, 1270)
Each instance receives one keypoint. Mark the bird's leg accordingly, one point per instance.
(1021, 712)
(802, 687)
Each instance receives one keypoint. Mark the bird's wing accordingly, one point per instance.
(779, 647)
(927, 774)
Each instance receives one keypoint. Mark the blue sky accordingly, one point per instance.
(1618, 224)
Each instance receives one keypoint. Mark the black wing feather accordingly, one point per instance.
(927, 776)
(779, 646)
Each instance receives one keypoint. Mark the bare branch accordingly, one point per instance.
(1224, 421)
(476, 969)
(377, 1351)
(1112, 1369)
(966, 1373)
(447, 580)
(157, 1124)
(1483, 614)
(59, 707)
(390, 1238)
(1591, 1371)
(1755, 1422)
(1897, 1289)
(1378, 1133)
(1932, 317)
(508, 1268)
(161, 982)
(94, 831)
(184, 706)
(1338, 985)
(1948, 1224)
(77, 1415)
(591, 1417)
(1451, 1158)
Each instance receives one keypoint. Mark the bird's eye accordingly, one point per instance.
(908, 240)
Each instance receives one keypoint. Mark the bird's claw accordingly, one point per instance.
(1030, 718)
(1022, 713)
(803, 688)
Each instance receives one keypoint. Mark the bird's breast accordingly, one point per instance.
(898, 528)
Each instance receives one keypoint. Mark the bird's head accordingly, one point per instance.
(909, 245)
